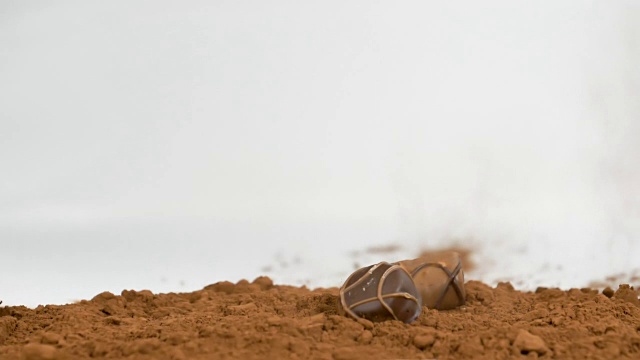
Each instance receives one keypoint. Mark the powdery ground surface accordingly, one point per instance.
(261, 321)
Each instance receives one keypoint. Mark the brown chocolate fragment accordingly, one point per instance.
(608, 292)
(381, 292)
(440, 280)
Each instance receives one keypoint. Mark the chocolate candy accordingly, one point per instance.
(381, 292)
(440, 280)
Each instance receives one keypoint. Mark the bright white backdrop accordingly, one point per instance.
(168, 145)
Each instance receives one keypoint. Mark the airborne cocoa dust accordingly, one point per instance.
(261, 321)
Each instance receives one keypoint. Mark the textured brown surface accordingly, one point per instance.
(261, 321)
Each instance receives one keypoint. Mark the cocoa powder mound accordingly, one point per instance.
(261, 321)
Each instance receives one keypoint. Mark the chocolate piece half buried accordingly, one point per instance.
(439, 280)
(381, 292)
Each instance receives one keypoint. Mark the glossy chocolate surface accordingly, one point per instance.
(381, 292)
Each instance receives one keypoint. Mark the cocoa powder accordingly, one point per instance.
(258, 320)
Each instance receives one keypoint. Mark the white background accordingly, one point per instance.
(168, 145)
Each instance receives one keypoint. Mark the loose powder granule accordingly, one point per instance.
(261, 321)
